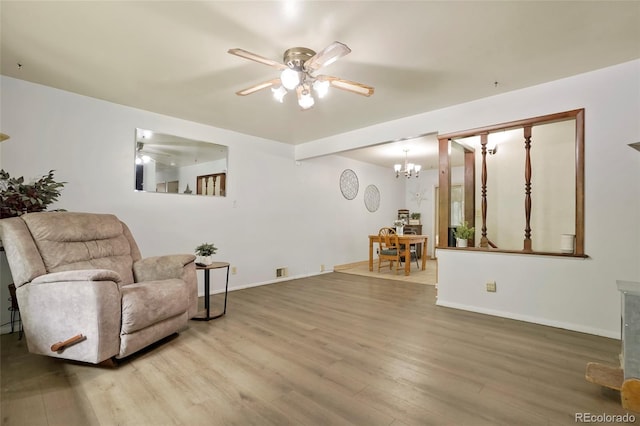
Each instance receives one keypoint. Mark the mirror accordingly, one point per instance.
(172, 164)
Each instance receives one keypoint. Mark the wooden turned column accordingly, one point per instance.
(527, 189)
(484, 241)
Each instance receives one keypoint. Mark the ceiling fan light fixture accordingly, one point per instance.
(290, 78)
(279, 93)
(143, 159)
(321, 88)
(298, 71)
(305, 100)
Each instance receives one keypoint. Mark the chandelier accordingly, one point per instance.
(409, 169)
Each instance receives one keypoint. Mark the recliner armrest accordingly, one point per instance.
(62, 304)
(79, 275)
(161, 267)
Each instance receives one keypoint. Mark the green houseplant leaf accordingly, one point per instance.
(206, 249)
(18, 198)
(464, 231)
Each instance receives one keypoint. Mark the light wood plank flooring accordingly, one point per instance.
(428, 276)
(335, 349)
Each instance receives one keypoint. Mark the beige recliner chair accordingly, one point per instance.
(84, 291)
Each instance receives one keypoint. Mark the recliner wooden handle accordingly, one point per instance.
(56, 347)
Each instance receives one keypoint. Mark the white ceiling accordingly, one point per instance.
(171, 57)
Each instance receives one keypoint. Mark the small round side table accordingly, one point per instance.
(206, 314)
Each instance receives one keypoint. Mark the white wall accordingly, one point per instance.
(277, 213)
(281, 214)
(576, 294)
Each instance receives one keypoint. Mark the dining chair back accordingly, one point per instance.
(413, 248)
(389, 248)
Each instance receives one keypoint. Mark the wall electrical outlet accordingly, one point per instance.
(234, 270)
(321, 268)
(491, 286)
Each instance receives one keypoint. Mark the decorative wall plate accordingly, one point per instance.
(349, 184)
(372, 198)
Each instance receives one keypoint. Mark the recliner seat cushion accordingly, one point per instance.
(144, 304)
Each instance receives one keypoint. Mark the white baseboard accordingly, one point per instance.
(275, 281)
(535, 320)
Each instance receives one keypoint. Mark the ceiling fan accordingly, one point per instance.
(299, 72)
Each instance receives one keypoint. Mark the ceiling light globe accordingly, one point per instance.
(321, 88)
(279, 93)
(397, 167)
(306, 101)
(290, 78)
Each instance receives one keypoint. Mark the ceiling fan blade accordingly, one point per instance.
(327, 56)
(259, 86)
(349, 86)
(257, 58)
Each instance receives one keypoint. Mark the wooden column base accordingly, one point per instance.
(613, 378)
(630, 394)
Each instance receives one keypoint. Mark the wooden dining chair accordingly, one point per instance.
(389, 249)
(413, 248)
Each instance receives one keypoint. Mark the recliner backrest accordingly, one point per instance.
(70, 241)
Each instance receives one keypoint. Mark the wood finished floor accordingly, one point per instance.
(334, 349)
(428, 276)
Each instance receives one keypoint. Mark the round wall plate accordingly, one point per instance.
(349, 184)
(372, 198)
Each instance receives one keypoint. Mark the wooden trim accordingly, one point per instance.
(498, 250)
(580, 178)
(543, 119)
(579, 116)
(444, 191)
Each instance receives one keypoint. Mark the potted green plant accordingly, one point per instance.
(415, 218)
(463, 234)
(18, 197)
(204, 253)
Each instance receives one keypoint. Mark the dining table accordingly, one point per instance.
(404, 241)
